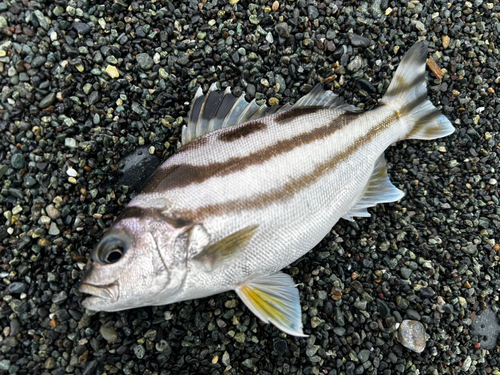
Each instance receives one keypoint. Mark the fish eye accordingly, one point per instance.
(110, 250)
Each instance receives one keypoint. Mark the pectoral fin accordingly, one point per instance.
(225, 248)
(274, 299)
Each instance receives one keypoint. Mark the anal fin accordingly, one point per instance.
(379, 190)
(274, 299)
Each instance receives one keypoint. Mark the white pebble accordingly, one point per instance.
(71, 172)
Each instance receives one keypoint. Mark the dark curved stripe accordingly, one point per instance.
(179, 176)
(236, 132)
(410, 107)
(138, 213)
(150, 212)
(288, 190)
(290, 115)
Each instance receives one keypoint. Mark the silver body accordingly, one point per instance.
(297, 220)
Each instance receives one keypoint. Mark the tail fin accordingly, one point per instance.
(407, 93)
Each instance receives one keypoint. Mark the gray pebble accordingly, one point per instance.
(145, 61)
(358, 41)
(17, 287)
(41, 19)
(47, 101)
(18, 161)
(312, 12)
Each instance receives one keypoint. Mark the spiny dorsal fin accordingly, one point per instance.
(220, 109)
(225, 248)
(379, 190)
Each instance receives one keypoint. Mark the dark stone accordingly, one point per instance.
(383, 309)
(17, 287)
(280, 346)
(426, 292)
(82, 28)
(359, 41)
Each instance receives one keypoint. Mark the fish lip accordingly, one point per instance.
(108, 293)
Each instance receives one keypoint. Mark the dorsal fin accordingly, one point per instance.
(221, 109)
(379, 190)
(319, 97)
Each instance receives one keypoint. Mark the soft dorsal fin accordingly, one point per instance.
(379, 190)
(221, 109)
(319, 97)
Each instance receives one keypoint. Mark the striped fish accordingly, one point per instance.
(253, 189)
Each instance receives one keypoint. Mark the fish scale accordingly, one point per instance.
(251, 191)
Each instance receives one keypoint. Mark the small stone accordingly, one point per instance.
(254, 19)
(4, 365)
(139, 351)
(108, 333)
(358, 41)
(82, 28)
(364, 355)
(145, 61)
(312, 12)
(405, 272)
(467, 363)
(383, 309)
(52, 212)
(42, 21)
(426, 292)
(412, 314)
(355, 64)
(446, 41)
(59, 297)
(70, 142)
(50, 363)
(112, 71)
(275, 6)
(282, 29)
(54, 230)
(18, 161)
(17, 287)
(48, 100)
(411, 334)
(280, 346)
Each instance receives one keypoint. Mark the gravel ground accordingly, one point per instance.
(91, 89)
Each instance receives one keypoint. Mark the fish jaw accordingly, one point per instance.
(102, 297)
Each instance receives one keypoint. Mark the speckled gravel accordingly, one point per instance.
(92, 91)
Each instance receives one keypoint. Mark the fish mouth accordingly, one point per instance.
(100, 295)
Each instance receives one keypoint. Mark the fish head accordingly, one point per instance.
(138, 262)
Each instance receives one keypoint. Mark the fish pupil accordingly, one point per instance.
(114, 256)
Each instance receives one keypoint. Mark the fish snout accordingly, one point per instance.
(102, 292)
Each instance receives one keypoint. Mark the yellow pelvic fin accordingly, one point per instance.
(274, 299)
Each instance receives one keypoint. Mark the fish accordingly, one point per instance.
(251, 190)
